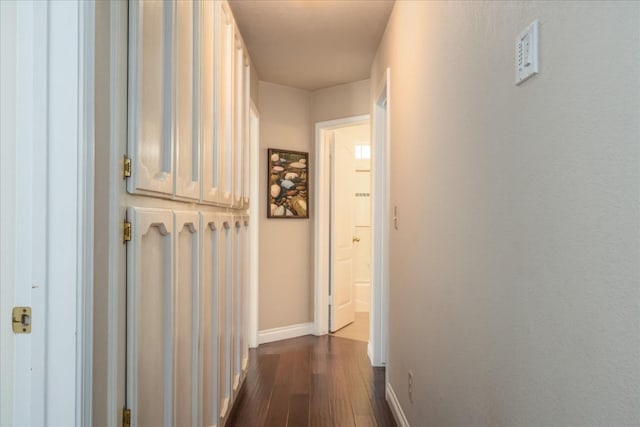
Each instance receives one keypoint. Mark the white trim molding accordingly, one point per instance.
(285, 332)
(395, 407)
(379, 329)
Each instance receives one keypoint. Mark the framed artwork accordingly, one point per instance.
(288, 185)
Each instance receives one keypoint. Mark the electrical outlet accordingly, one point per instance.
(411, 386)
(395, 217)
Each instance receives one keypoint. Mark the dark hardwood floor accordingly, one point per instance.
(312, 381)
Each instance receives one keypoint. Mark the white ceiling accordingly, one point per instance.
(312, 44)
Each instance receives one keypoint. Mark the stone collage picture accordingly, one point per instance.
(288, 194)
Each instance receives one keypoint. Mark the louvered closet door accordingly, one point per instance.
(209, 105)
(186, 323)
(211, 229)
(187, 144)
(224, 317)
(150, 97)
(149, 317)
(224, 84)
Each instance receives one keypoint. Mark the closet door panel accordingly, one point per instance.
(246, 176)
(149, 317)
(225, 371)
(244, 312)
(186, 100)
(150, 58)
(237, 296)
(209, 105)
(224, 76)
(238, 121)
(186, 325)
(209, 305)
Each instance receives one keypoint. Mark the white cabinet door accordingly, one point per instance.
(187, 144)
(209, 105)
(149, 313)
(236, 329)
(224, 317)
(246, 176)
(224, 84)
(150, 97)
(238, 121)
(244, 312)
(211, 228)
(185, 349)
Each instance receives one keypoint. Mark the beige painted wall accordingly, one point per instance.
(515, 271)
(287, 120)
(285, 296)
(337, 102)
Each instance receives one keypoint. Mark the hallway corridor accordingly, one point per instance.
(312, 381)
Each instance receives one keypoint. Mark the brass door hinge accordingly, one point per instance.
(126, 167)
(21, 320)
(126, 233)
(126, 417)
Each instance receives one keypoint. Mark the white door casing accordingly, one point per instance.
(343, 176)
(46, 175)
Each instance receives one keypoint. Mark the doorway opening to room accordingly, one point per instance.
(343, 232)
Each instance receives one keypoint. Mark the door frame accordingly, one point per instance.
(322, 222)
(51, 46)
(254, 232)
(378, 349)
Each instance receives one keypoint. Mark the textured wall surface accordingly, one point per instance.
(515, 273)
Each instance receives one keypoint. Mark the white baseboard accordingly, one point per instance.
(285, 332)
(396, 409)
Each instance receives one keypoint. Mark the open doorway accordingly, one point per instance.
(344, 246)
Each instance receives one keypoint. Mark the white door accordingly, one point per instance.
(150, 45)
(42, 213)
(342, 174)
(186, 325)
(149, 317)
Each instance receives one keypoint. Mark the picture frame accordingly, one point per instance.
(287, 184)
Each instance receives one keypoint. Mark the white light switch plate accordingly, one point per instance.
(527, 53)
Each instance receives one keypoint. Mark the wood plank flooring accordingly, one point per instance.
(312, 381)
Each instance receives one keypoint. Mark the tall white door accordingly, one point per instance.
(342, 184)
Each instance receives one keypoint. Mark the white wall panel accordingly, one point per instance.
(186, 319)
(186, 66)
(150, 97)
(149, 314)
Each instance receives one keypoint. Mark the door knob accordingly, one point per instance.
(355, 239)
